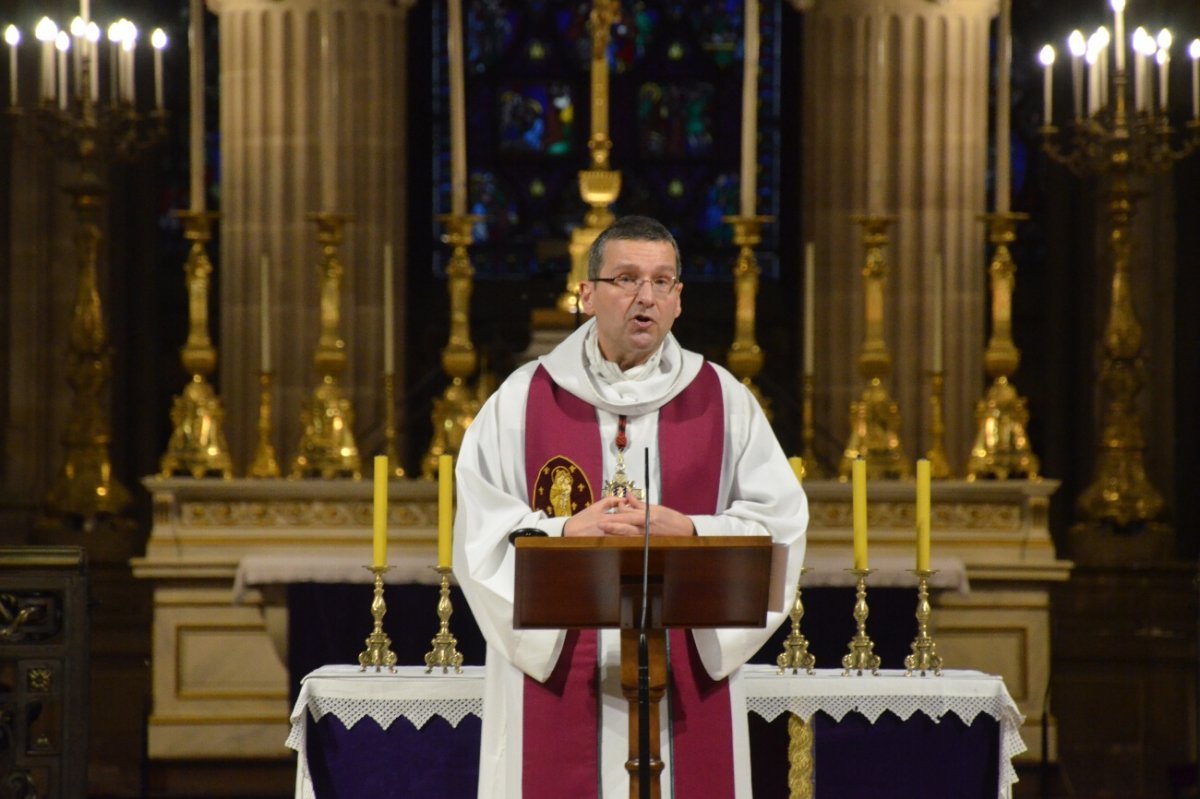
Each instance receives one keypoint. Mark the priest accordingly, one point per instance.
(548, 451)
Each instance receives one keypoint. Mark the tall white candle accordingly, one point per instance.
(877, 114)
(810, 280)
(1093, 80)
(127, 53)
(1164, 61)
(389, 306)
(264, 312)
(196, 104)
(939, 299)
(78, 29)
(62, 42)
(1194, 52)
(329, 144)
(1003, 103)
(1118, 7)
(93, 54)
(1078, 46)
(1102, 65)
(749, 161)
(114, 71)
(13, 37)
(1046, 56)
(458, 121)
(85, 11)
(159, 40)
(45, 32)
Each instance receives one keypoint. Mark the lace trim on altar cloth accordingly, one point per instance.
(963, 694)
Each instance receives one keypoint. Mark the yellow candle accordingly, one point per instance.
(797, 467)
(859, 494)
(379, 550)
(923, 514)
(445, 508)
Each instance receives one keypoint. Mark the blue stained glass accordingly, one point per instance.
(675, 120)
(491, 30)
(536, 118)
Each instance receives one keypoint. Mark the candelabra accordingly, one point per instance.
(456, 408)
(445, 654)
(745, 356)
(70, 121)
(861, 656)
(795, 655)
(1110, 141)
(327, 447)
(875, 418)
(1001, 449)
(264, 464)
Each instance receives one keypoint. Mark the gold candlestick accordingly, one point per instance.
(264, 464)
(197, 445)
(795, 648)
(379, 646)
(745, 358)
(862, 655)
(1001, 450)
(924, 655)
(327, 447)
(875, 418)
(444, 653)
(599, 186)
(456, 408)
(939, 467)
(389, 426)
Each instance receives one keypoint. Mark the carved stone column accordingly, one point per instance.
(932, 111)
(270, 124)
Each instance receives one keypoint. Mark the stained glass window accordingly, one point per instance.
(675, 122)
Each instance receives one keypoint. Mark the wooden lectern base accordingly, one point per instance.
(656, 646)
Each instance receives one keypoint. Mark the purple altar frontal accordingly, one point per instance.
(414, 734)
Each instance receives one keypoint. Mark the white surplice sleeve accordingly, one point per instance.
(761, 496)
(491, 491)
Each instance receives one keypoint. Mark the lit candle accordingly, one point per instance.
(46, 31)
(78, 29)
(458, 122)
(1046, 56)
(1003, 103)
(329, 144)
(1194, 52)
(858, 486)
(196, 105)
(877, 114)
(1164, 63)
(810, 291)
(445, 508)
(114, 71)
(749, 178)
(389, 352)
(13, 37)
(1078, 47)
(128, 45)
(159, 41)
(1118, 7)
(1102, 62)
(1140, 38)
(264, 316)
(923, 514)
(85, 11)
(93, 60)
(939, 301)
(797, 467)
(379, 537)
(62, 42)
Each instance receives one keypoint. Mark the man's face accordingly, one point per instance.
(631, 326)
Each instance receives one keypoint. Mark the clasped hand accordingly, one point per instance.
(627, 516)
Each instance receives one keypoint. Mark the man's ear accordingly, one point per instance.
(585, 296)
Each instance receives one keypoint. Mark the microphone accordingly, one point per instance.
(643, 689)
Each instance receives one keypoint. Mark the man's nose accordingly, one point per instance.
(645, 292)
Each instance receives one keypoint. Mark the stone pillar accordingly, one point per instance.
(934, 115)
(270, 123)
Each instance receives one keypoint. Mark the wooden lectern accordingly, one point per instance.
(711, 581)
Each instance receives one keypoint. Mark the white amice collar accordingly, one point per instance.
(610, 373)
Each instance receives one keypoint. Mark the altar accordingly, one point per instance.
(220, 681)
(409, 733)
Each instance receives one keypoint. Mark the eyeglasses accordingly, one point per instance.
(628, 284)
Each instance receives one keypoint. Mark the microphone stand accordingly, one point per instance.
(644, 655)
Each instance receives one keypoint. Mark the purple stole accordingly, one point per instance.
(561, 716)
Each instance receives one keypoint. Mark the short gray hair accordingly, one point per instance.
(630, 228)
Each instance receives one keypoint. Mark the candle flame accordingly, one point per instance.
(1077, 43)
(46, 30)
(1162, 57)
(1118, 5)
(1046, 56)
(1164, 39)
(1193, 49)
(62, 42)
(93, 32)
(13, 36)
(78, 26)
(158, 39)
